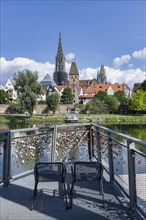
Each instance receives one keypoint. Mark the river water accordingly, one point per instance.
(134, 130)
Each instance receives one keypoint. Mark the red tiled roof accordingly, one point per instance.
(117, 87)
(103, 87)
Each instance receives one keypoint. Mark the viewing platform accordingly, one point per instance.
(123, 177)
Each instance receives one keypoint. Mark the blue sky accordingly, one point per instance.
(94, 32)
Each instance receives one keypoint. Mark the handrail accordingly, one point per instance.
(94, 136)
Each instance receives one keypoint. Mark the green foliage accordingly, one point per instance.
(138, 101)
(102, 96)
(112, 103)
(95, 106)
(52, 101)
(27, 88)
(102, 103)
(41, 102)
(120, 95)
(67, 96)
(16, 108)
(79, 106)
(3, 97)
(143, 85)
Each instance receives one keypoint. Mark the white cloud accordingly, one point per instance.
(129, 76)
(88, 73)
(140, 54)
(70, 57)
(8, 68)
(119, 61)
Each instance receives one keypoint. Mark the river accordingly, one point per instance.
(134, 130)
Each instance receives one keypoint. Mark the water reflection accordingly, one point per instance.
(134, 130)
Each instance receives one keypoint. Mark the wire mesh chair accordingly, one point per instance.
(49, 172)
(87, 171)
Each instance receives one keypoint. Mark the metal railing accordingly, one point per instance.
(126, 165)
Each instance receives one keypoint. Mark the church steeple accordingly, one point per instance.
(101, 75)
(60, 76)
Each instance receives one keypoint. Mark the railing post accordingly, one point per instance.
(110, 157)
(7, 160)
(98, 144)
(90, 144)
(53, 147)
(131, 174)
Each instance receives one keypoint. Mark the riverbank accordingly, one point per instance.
(83, 118)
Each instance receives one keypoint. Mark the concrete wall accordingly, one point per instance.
(3, 108)
(40, 109)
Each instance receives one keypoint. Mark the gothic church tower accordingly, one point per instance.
(60, 76)
(74, 81)
(101, 75)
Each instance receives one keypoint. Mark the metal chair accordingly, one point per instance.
(49, 172)
(87, 171)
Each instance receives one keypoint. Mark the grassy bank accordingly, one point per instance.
(113, 118)
(86, 118)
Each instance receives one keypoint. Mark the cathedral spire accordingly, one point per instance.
(60, 76)
(60, 50)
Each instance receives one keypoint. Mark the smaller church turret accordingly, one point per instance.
(101, 75)
(74, 81)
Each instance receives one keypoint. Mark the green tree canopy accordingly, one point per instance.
(3, 97)
(95, 106)
(52, 101)
(120, 95)
(16, 108)
(143, 85)
(102, 96)
(67, 96)
(27, 87)
(138, 101)
(112, 103)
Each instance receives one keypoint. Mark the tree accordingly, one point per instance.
(27, 87)
(3, 96)
(120, 95)
(52, 101)
(101, 96)
(16, 108)
(138, 101)
(67, 96)
(112, 103)
(95, 106)
(143, 85)
(123, 107)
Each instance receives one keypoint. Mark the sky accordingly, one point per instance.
(108, 32)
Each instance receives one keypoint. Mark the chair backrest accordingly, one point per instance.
(87, 171)
(49, 172)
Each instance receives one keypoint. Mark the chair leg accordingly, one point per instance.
(65, 195)
(35, 189)
(102, 193)
(34, 195)
(71, 195)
